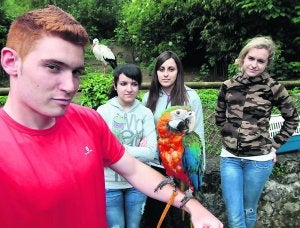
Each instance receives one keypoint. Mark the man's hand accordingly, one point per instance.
(201, 217)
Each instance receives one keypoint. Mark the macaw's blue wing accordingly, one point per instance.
(192, 159)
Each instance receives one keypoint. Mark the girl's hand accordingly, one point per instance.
(143, 142)
(273, 151)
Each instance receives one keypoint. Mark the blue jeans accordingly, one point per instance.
(124, 207)
(242, 183)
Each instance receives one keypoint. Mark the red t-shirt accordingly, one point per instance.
(54, 177)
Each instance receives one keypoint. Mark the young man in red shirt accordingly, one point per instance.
(52, 152)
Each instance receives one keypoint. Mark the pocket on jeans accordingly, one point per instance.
(264, 164)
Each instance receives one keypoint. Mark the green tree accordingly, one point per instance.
(209, 34)
(148, 26)
(5, 21)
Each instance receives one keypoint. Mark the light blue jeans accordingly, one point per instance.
(242, 183)
(124, 207)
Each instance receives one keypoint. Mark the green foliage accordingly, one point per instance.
(295, 94)
(208, 97)
(203, 73)
(14, 8)
(151, 65)
(270, 9)
(232, 70)
(99, 17)
(207, 33)
(281, 69)
(294, 91)
(212, 137)
(95, 89)
(2, 100)
(279, 170)
(296, 19)
(5, 20)
(142, 25)
(140, 95)
(295, 69)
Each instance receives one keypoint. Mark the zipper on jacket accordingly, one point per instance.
(238, 142)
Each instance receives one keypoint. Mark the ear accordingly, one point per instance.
(9, 60)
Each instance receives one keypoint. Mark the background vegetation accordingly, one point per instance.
(207, 35)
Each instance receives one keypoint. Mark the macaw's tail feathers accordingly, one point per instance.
(192, 166)
(193, 160)
(196, 181)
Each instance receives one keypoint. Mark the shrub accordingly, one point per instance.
(208, 97)
(212, 136)
(95, 89)
(2, 100)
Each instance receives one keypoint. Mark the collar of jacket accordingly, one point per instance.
(245, 79)
(114, 102)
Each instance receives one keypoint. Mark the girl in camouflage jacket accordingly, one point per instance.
(243, 111)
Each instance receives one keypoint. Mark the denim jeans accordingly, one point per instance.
(242, 183)
(124, 207)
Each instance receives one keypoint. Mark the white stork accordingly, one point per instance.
(104, 54)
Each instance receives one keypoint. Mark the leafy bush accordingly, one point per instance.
(295, 69)
(95, 89)
(232, 70)
(281, 69)
(203, 74)
(2, 100)
(212, 136)
(140, 95)
(279, 170)
(208, 97)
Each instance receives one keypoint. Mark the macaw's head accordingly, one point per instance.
(182, 119)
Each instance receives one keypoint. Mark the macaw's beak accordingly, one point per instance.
(178, 125)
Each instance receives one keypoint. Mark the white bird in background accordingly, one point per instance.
(104, 54)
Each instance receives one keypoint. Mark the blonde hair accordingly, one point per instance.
(260, 42)
(30, 27)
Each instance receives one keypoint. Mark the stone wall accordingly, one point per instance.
(280, 202)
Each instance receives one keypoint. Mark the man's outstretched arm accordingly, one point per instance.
(146, 179)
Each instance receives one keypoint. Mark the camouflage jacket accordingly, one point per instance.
(243, 112)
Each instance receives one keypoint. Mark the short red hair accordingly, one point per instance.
(31, 26)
